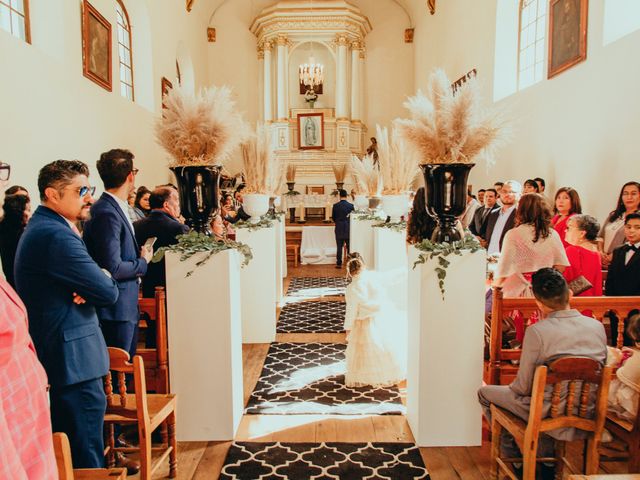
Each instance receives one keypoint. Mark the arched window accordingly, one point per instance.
(14, 18)
(124, 51)
(532, 33)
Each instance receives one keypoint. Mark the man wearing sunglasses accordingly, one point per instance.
(61, 286)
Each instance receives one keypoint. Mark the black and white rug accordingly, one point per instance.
(323, 461)
(312, 317)
(316, 286)
(308, 378)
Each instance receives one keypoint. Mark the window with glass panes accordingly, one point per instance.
(532, 33)
(14, 18)
(124, 51)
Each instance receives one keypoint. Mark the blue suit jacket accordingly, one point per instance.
(112, 244)
(51, 264)
(340, 215)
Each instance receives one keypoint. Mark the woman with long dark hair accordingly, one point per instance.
(17, 211)
(141, 204)
(611, 234)
(566, 204)
(420, 225)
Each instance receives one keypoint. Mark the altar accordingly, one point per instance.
(318, 245)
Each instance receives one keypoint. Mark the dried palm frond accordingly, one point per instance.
(451, 128)
(291, 173)
(201, 129)
(366, 175)
(397, 162)
(340, 172)
(262, 171)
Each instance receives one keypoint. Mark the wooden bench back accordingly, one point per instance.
(156, 309)
(503, 307)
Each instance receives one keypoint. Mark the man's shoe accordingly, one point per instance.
(338, 266)
(132, 466)
(122, 441)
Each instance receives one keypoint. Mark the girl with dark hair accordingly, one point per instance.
(17, 211)
(141, 207)
(566, 204)
(420, 225)
(582, 252)
(611, 234)
(530, 186)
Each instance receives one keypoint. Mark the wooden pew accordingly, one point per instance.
(500, 370)
(156, 359)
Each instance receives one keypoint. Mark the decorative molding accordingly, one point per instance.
(282, 40)
(408, 35)
(341, 40)
(211, 34)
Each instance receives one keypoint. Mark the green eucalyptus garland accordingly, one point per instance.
(192, 243)
(265, 222)
(365, 216)
(442, 250)
(400, 226)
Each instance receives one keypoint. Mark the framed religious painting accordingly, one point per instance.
(311, 131)
(96, 46)
(567, 34)
(166, 86)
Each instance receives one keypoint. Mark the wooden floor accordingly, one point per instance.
(204, 460)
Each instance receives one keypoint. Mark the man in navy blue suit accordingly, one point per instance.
(111, 242)
(340, 216)
(61, 287)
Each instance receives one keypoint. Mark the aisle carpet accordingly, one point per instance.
(316, 286)
(308, 378)
(312, 317)
(323, 461)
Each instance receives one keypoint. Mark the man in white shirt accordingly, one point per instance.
(472, 206)
(503, 220)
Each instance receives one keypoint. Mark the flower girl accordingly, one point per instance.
(374, 353)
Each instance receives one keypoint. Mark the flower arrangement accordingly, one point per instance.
(291, 173)
(397, 162)
(202, 129)
(451, 128)
(367, 177)
(263, 170)
(310, 96)
(340, 172)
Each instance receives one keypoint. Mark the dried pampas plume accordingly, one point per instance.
(201, 129)
(340, 172)
(397, 162)
(366, 175)
(451, 128)
(263, 170)
(291, 173)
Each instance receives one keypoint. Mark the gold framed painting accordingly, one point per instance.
(567, 34)
(96, 46)
(310, 131)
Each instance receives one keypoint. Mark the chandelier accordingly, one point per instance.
(311, 74)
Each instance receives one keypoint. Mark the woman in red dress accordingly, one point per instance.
(582, 252)
(567, 203)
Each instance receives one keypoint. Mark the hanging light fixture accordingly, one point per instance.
(311, 74)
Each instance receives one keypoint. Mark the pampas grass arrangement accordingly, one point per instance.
(448, 128)
(263, 171)
(291, 173)
(201, 129)
(340, 172)
(367, 177)
(397, 162)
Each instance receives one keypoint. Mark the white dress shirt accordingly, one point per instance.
(630, 253)
(494, 242)
(124, 206)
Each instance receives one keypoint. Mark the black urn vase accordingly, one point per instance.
(445, 186)
(198, 188)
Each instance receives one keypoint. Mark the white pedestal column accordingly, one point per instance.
(205, 345)
(279, 252)
(282, 77)
(356, 87)
(283, 245)
(361, 239)
(446, 351)
(258, 286)
(268, 112)
(390, 249)
(342, 106)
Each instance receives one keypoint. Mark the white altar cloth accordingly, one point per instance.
(318, 245)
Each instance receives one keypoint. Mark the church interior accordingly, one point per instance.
(243, 351)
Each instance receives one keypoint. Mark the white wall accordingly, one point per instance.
(578, 129)
(51, 111)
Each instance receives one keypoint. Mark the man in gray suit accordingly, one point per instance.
(562, 332)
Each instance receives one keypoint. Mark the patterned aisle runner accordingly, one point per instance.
(312, 317)
(316, 286)
(308, 378)
(323, 461)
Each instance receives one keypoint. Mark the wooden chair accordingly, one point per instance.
(148, 411)
(67, 472)
(156, 359)
(500, 370)
(575, 376)
(295, 249)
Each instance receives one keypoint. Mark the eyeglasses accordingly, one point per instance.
(5, 171)
(135, 171)
(82, 191)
